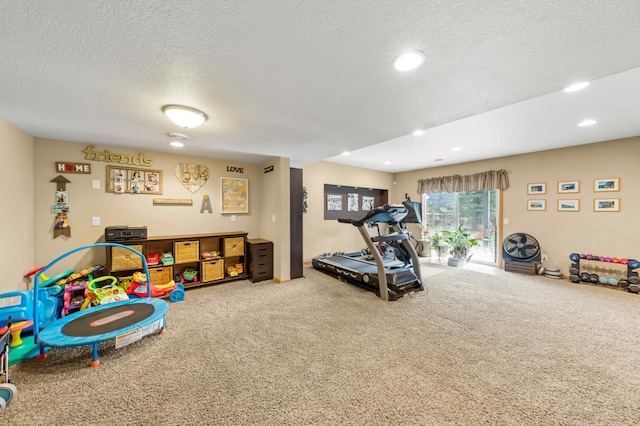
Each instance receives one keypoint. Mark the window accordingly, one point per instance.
(476, 211)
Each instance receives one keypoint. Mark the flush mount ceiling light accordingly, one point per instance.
(346, 153)
(586, 123)
(455, 149)
(409, 60)
(576, 86)
(184, 116)
(177, 139)
(418, 132)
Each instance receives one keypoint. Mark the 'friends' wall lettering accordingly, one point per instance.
(109, 157)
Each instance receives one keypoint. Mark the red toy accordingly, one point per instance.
(138, 287)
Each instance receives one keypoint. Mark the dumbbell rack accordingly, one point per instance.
(604, 273)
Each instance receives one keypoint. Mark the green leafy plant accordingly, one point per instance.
(437, 239)
(460, 242)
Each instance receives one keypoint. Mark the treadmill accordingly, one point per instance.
(390, 281)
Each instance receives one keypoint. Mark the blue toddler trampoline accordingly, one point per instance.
(127, 320)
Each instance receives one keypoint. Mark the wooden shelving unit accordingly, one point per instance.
(229, 249)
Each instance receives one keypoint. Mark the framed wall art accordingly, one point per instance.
(128, 180)
(606, 185)
(536, 188)
(606, 205)
(537, 205)
(568, 186)
(234, 195)
(568, 205)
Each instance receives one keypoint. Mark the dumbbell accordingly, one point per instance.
(615, 260)
(594, 278)
(574, 257)
(603, 279)
(633, 264)
(613, 281)
(574, 278)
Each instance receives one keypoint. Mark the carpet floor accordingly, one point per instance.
(476, 348)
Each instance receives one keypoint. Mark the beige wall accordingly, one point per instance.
(275, 215)
(329, 236)
(130, 209)
(561, 233)
(16, 216)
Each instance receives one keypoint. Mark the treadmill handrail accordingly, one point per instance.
(388, 213)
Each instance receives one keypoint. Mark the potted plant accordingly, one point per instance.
(460, 243)
(437, 241)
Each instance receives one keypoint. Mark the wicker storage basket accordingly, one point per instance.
(160, 276)
(212, 270)
(186, 251)
(233, 247)
(123, 259)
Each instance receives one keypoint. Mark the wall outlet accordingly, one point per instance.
(233, 218)
(95, 221)
(544, 257)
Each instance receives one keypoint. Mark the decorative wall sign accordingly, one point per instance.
(235, 169)
(192, 176)
(181, 201)
(206, 205)
(268, 169)
(84, 168)
(61, 208)
(127, 180)
(234, 195)
(109, 157)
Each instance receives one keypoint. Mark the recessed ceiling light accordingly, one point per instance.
(346, 153)
(418, 132)
(439, 159)
(457, 148)
(185, 116)
(576, 86)
(409, 60)
(585, 123)
(387, 162)
(176, 144)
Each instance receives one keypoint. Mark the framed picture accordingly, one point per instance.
(536, 188)
(367, 203)
(568, 186)
(334, 202)
(606, 205)
(352, 202)
(568, 205)
(234, 194)
(604, 185)
(536, 205)
(127, 180)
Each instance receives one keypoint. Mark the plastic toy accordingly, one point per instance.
(167, 259)
(207, 255)
(232, 271)
(107, 293)
(188, 275)
(153, 258)
(138, 287)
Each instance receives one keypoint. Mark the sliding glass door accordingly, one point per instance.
(475, 211)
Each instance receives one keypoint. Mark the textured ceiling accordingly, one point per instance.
(309, 80)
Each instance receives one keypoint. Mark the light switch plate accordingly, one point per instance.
(95, 221)
(95, 184)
